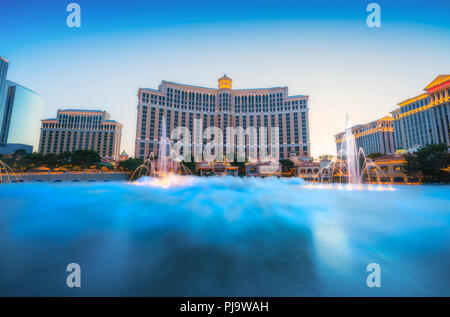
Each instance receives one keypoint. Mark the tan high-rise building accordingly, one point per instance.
(373, 137)
(424, 119)
(81, 130)
(224, 107)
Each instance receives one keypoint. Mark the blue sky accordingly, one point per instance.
(320, 48)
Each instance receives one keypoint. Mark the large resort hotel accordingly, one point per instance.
(425, 118)
(224, 107)
(373, 137)
(420, 120)
(73, 130)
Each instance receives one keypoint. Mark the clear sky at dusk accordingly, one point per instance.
(323, 49)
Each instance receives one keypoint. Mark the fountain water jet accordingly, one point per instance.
(164, 144)
(352, 163)
(351, 155)
(164, 170)
(6, 174)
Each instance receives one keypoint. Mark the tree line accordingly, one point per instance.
(21, 161)
(430, 162)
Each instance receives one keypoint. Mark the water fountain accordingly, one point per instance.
(352, 166)
(6, 174)
(164, 169)
(313, 242)
(351, 155)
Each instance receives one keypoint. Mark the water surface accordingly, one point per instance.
(223, 237)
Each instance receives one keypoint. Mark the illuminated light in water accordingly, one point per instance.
(167, 181)
(165, 169)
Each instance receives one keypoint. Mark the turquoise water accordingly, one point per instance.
(223, 237)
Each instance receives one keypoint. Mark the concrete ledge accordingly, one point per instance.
(70, 177)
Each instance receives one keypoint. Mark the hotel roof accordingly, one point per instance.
(413, 99)
(438, 80)
(113, 121)
(295, 96)
(193, 86)
(80, 110)
(386, 118)
(175, 83)
(357, 126)
(105, 121)
(215, 89)
(261, 88)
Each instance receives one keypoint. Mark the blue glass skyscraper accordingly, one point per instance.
(3, 71)
(20, 112)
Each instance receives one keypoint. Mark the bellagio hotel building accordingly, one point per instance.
(73, 130)
(224, 107)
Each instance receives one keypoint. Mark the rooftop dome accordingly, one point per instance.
(225, 82)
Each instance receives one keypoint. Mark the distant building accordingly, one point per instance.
(424, 119)
(217, 169)
(393, 170)
(261, 170)
(310, 171)
(224, 107)
(10, 148)
(123, 156)
(3, 72)
(81, 130)
(20, 110)
(374, 137)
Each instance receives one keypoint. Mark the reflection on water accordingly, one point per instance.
(223, 237)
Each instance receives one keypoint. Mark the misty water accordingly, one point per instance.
(223, 237)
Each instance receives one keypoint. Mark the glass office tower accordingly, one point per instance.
(3, 72)
(21, 113)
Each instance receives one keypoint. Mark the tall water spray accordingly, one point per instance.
(353, 163)
(162, 154)
(351, 155)
(163, 167)
(6, 174)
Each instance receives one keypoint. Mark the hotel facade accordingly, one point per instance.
(424, 119)
(183, 105)
(73, 130)
(374, 137)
